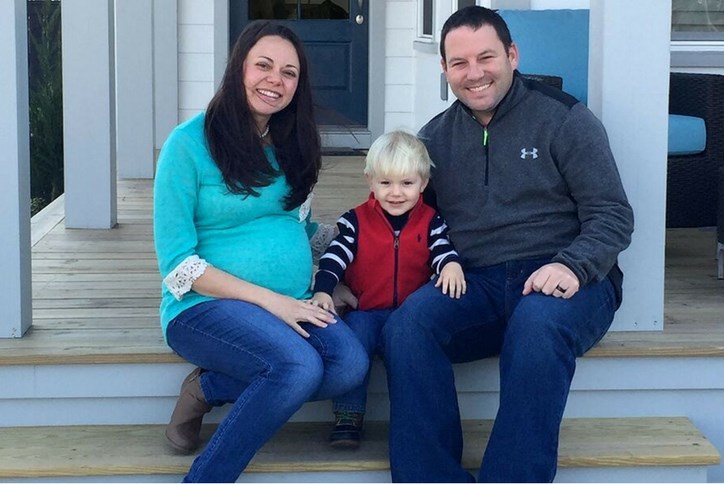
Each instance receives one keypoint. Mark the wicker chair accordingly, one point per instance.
(554, 81)
(695, 183)
(692, 192)
(720, 227)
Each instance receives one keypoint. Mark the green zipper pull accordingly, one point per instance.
(485, 136)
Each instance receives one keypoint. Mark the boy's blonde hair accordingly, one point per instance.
(398, 153)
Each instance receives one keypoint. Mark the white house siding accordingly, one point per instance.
(195, 56)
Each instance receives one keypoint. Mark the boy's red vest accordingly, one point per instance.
(388, 268)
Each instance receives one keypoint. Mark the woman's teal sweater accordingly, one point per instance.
(251, 237)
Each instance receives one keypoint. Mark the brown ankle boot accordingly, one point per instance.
(182, 433)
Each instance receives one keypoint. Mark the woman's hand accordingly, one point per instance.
(293, 312)
(452, 280)
(216, 283)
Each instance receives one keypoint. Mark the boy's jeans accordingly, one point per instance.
(538, 338)
(367, 326)
(262, 366)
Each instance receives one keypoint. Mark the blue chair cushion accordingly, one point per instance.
(687, 135)
(553, 42)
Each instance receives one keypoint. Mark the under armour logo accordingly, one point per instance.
(532, 153)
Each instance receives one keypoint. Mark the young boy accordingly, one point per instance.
(387, 248)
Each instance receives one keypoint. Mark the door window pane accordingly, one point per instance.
(325, 9)
(465, 3)
(273, 9)
(694, 19)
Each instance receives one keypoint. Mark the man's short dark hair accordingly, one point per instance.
(475, 17)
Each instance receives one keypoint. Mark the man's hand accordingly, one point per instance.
(554, 279)
(452, 280)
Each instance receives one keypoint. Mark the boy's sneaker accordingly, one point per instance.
(347, 430)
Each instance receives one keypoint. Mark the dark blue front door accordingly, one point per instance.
(335, 36)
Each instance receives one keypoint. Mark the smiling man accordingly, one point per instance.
(525, 178)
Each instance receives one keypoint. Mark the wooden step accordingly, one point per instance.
(138, 339)
(140, 450)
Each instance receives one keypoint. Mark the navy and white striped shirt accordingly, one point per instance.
(341, 251)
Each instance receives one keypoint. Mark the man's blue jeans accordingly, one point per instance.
(367, 326)
(538, 338)
(265, 369)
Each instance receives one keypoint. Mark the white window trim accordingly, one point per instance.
(697, 54)
(422, 37)
(697, 49)
(429, 43)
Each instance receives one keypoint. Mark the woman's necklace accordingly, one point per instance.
(266, 132)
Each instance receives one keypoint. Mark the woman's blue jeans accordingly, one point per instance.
(259, 364)
(367, 326)
(538, 338)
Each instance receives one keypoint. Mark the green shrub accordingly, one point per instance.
(36, 205)
(46, 101)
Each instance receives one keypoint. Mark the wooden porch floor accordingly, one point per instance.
(96, 292)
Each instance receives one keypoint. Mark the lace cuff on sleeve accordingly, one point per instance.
(320, 240)
(179, 281)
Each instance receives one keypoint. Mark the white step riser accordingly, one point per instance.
(124, 411)
(163, 380)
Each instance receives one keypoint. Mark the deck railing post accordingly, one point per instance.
(134, 88)
(628, 90)
(89, 125)
(165, 69)
(15, 290)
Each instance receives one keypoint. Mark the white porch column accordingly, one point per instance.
(89, 127)
(15, 291)
(221, 40)
(628, 90)
(165, 68)
(134, 88)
